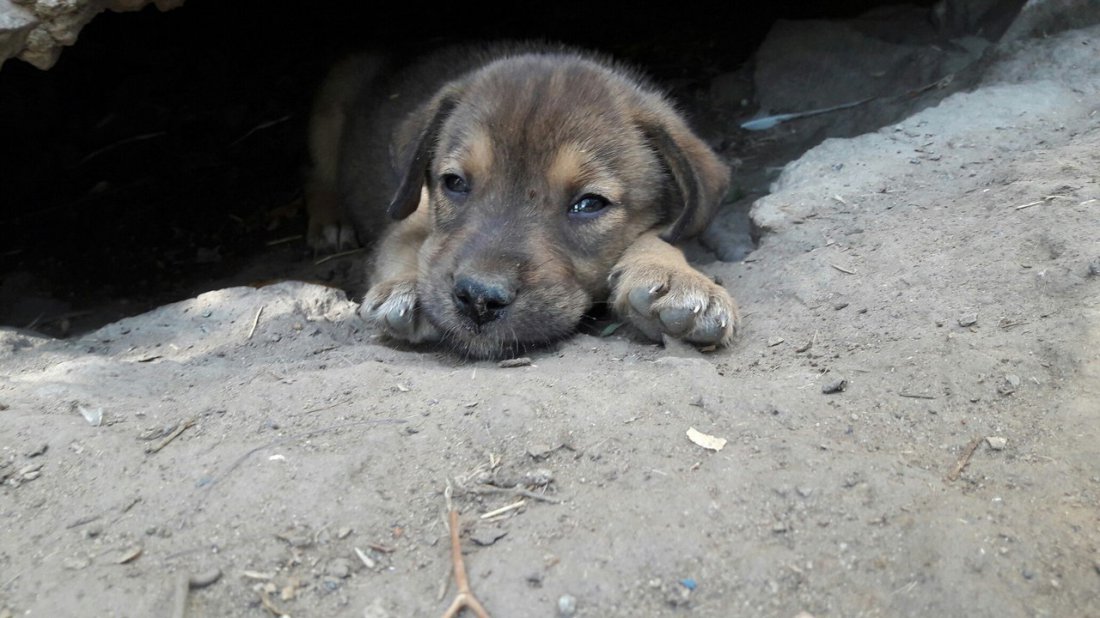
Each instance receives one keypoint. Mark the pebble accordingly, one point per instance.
(968, 319)
(997, 443)
(538, 478)
(343, 532)
(204, 578)
(567, 605)
(1009, 384)
(774, 341)
(1094, 268)
(835, 386)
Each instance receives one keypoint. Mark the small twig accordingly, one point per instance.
(504, 509)
(965, 459)
(283, 240)
(261, 126)
(172, 436)
(465, 598)
(336, 256)
(255, 322)
(322, 408)
(915, 396)
(122, 142)
(1045, 198)
(843, 270)
(515, 490)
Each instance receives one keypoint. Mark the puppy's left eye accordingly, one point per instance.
(588, 206)
(456, 184)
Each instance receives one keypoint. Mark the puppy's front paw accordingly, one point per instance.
(681, 302)
(393, 308)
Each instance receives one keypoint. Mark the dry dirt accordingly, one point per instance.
(940, 266)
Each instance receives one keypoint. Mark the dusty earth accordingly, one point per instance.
(946, 267)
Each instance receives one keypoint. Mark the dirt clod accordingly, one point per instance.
(968, 319)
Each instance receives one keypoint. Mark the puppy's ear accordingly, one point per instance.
(411, 160)
(701, 179)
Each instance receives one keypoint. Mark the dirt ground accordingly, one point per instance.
(946, 268)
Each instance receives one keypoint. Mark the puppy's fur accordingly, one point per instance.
(524, 184)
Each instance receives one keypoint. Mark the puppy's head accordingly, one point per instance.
(538, 171)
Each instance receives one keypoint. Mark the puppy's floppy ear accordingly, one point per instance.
(701, 179)
(411, 160)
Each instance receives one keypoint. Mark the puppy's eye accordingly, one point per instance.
(588, 206)
(456, 184)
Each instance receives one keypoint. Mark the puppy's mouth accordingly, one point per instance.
(484, 318)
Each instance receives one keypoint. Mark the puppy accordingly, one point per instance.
(523, 184)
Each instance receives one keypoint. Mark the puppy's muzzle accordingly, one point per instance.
(482, 298)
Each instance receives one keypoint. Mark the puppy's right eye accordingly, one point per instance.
(455, 184)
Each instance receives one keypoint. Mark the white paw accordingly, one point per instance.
(393, 308)
(682, 303)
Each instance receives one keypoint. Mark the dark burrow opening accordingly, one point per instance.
(163, 155)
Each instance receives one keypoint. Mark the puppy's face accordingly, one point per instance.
(542, 170)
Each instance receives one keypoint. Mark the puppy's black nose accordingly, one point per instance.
(482, 299)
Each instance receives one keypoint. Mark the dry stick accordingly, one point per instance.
(965, 459)
(172, 436)
(915, 396)
(842, 269)
(504, 509)
(256, 322)
(465, 598)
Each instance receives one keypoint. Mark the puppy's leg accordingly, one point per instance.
(392, 305)
(329, 226)
(655, 288)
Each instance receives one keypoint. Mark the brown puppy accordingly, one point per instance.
(527, 183)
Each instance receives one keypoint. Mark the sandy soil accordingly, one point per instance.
(946, 267)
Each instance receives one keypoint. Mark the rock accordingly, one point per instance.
(538, 478)
(567, 605)
(774, 341)
(514, 362)
(968, 319)
(1094, 268)
(996, 443)
(1009, 384)
(37, 33)
(204, 578)
(835, 386)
